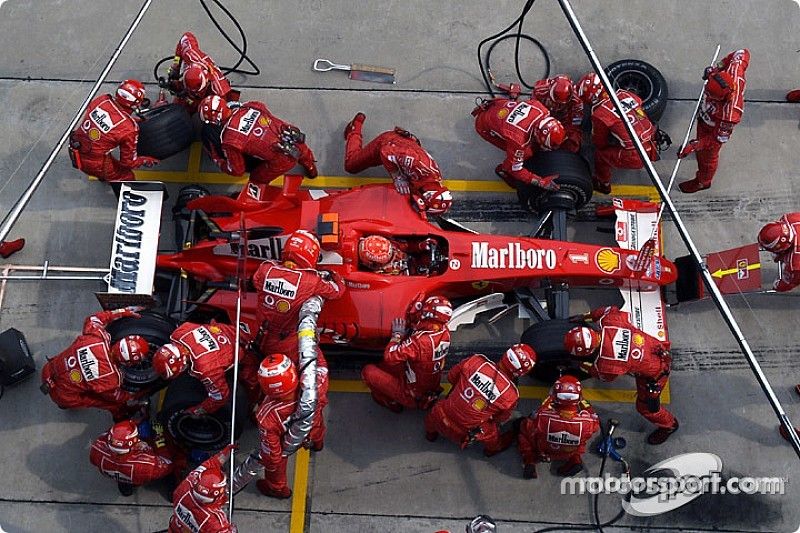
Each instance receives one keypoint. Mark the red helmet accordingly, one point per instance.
(195, 78)
(375, 251)
(209, 487)
(590, 88)
(566, 393)
(434, 199)
(122, 437)
(130, 94)
(214, 110)
(719, 85)
(560, 90)
(776, 237)
(582, 341)
(437, 309)
(302, 248)
(550, 133)
(170, 360)
(277, 376)
(518, 360)
(130, 350)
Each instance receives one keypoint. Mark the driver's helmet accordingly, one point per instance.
(375, 252)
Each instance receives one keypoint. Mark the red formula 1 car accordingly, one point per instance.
(461, 264)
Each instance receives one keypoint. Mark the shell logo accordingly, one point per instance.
(94, 134)
(503, 113)
(263, 121)
(283, 306)
(638, 340)
(75, 376)
(607, 260)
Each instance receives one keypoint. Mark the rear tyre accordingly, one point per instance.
(574, 178)
(644, 80)
(209, 432)
(547, 339)
(156, 329)
(165, 131)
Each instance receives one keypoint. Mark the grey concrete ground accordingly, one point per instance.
(377, 472)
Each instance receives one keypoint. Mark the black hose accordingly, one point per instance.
(501, 36)
(516, 55)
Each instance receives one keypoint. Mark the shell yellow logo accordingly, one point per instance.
(283, 306)
(263, 121)
(214, 329)
(503, 113)
(638, 340)
(607, 260)
(479, 404)
(94, 134)
(75, 376)
(640, 113)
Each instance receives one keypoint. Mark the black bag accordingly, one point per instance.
(16, 362)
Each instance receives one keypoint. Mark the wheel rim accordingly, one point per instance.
(635, 82)
(200, 431)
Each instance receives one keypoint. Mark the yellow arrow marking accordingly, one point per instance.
(719, 273)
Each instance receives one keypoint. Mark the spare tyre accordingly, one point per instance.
(165, 131)
(645, 81)
(574, 179)
(156, 329)
(547, 340)
(209, 432)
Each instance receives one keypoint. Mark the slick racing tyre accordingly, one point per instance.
(165, 131)
(209, 432)
(574, 178)
(547, 339)
(156, 329)
(644, 80)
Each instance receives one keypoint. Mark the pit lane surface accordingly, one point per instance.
(377, 472)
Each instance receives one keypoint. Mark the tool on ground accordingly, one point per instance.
(648, 248)
(358, 71)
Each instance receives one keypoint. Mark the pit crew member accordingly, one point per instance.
(206, 352)
(410, 373)
(199, 500)
(193, 75)
(559, 429)
(483, 396)
(107, 124)
(780, 238)
(614, 148)
(253, 139)
(559, 96)
(393, 257)
(519, 129)
(612, 346)
(8, 248)
(120, 454)
(721, 110)
(413, 170)
(283, 287)
(87, 374)
(279, 381)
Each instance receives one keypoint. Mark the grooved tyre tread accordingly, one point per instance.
(547, 339)
(165, 131)
(574, 177)
(644, 80)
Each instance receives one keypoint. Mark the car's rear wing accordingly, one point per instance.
(133, 252)
(636, 222)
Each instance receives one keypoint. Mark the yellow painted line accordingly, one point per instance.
(297, 523)
(161, 396)
(528, 392)
(195, 155)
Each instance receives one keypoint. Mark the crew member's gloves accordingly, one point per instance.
(708, 72)
(401, 185)
(691, 147)
(128, 312)
(195, 411)
(547, 182)
(398, 329)
(146, 161)
(311, 171)
(586, 366)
